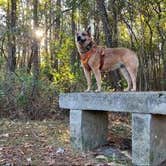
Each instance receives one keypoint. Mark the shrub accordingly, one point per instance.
(16, 100)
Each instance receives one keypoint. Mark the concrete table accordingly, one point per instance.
(89, 121)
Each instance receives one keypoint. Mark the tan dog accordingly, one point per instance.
(97, 59)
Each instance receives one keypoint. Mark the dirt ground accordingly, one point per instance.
(46, 143)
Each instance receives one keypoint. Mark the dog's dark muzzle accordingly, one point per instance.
(80, 40)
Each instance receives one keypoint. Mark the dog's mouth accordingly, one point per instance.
(80, 40)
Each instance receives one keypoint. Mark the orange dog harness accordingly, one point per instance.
(85, 58)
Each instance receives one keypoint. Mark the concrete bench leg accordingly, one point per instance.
(148, 139)
(88, 129)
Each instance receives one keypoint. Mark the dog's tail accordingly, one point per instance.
(136, 62)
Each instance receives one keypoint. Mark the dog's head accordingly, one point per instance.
(83, 38)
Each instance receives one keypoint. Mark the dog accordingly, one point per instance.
(97, 59)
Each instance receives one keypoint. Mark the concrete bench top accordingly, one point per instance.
(135, 102)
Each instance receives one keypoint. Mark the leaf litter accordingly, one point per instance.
(44, 143)
(37, 143)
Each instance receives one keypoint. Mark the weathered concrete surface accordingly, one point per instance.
(88, 129)
(148, 139)
(158, 139)
(141, 139)
(141, 102)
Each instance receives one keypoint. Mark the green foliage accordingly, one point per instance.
(63, 78)
(1, 93)
(16, 91)
(22, 99)
(140, 25)
(2, 62)
(3, 3)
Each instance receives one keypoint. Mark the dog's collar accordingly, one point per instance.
(88, 48)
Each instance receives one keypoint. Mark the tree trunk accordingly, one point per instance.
(105, 21)
(12, 7)
(55, 33)
(74, 53)
(108, 37)
(96, 26)
(46, 31)
(35, 50)
(114, 24)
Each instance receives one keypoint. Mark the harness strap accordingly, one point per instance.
(101, 58)
(85, 57)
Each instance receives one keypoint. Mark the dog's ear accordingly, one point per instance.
(89, 30)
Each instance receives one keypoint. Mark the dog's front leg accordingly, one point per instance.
(88, 78)
(97, 74)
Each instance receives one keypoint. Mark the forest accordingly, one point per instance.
(39, 58)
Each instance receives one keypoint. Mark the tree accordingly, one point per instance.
(108, 37)
(35, 49)
(106, 23)
(55, 36)
(139, 25)
(11, 23)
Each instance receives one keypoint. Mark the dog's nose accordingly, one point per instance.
(78, 38)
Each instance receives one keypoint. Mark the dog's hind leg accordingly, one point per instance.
(133, 78)
(133, 75)
(132, 68)
(126, 75)
(88, 78)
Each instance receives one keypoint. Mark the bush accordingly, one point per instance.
(17, 101)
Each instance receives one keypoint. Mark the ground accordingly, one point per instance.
(46, 143)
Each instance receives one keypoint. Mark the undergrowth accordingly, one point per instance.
(17, 99)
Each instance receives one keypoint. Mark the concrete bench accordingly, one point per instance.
(89, 121)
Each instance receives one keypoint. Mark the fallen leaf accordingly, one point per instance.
(60, 150)
(51, 162)
(4, 135)
(29, 160)
(102, 157)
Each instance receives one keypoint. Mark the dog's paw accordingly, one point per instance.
(126, 90)
(97, 90)
(87, 90)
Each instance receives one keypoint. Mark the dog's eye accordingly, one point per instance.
(83, 34)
